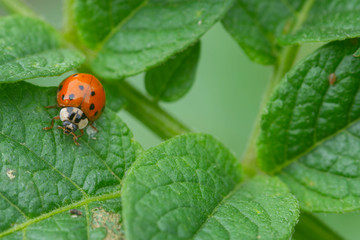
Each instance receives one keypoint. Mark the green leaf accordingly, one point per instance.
(98, 18)
(114, 100)
(310, 227)
(357, 53)
(328, 20)
(141, 34)
(174, 78)
(188, 188)
(255, 25)
(310, 129)
(43, 173)
(31, 49)
(95, 221)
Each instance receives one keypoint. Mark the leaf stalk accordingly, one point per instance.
(311, 228)
(149, 113)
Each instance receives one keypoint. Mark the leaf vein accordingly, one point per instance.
(14, 205)
(43, 160)
(61, 210)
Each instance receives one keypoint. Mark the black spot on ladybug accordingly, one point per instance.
(81, 87)
(78, 118)
(71, 96)
(93, 93)
(83, 116)
(62, 97)
(60, 87)
(74, 75)
(92, 106)
(95, 113)
(71, 117)
(69, 110)
(102, 110)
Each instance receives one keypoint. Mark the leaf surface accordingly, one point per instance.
(357, 53)
(98, 18)
(310, 129)
(188, 188)
(327, 20)
(31, 49)
(255, 25)
(43, 174)
(174, 78)
(114, 100)
(142, 34)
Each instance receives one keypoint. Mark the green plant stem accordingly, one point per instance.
(311, 228)
(149, 113)
(283, 65)
(18, 7)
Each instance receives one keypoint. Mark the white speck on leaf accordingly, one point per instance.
(199, 22)
(10, 173)
(91, 132)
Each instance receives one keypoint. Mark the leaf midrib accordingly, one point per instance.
(308, 150)
(220, 203)
(13, 205)
(120, 25)
(77, 204)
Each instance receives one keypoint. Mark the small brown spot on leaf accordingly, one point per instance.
(332, 79)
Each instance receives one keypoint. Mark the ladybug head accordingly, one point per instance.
(69, 127)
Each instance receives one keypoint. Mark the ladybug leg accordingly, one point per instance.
(76, 137)
(52, 123)
(81, 133)
(93, 127)
(54, 106)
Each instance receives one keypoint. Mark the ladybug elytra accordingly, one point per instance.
(82, 100)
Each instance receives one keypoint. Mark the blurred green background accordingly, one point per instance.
(224, 100)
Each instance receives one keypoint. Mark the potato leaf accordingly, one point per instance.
(44, 174)
(129, 37)
(173, 79)
(188, 188)
(327, 20)
(310, 129)
(256, 24)
(31, 49)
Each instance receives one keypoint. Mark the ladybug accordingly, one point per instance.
(82, 100)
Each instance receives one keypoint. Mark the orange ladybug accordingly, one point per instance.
(82, 100)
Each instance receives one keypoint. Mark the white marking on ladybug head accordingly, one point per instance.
(75, 116)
